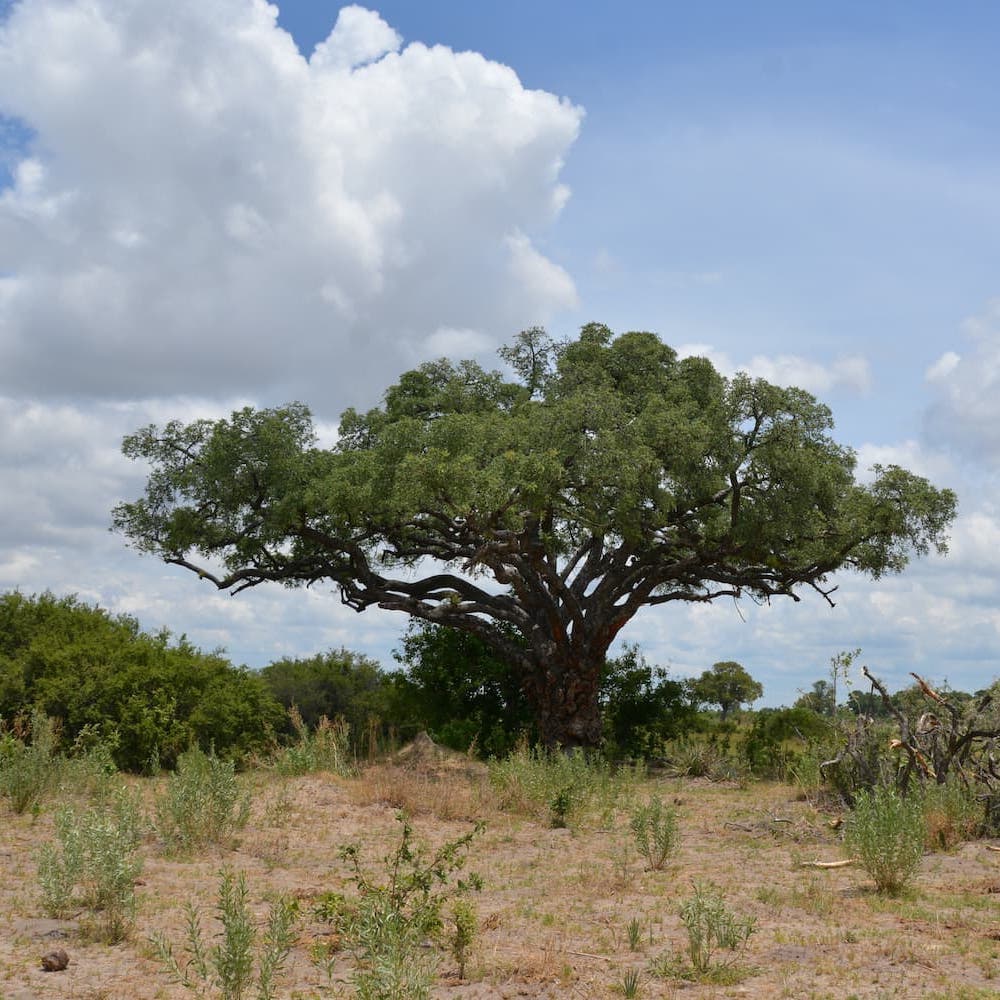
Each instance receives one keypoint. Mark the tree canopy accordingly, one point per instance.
(727, 685)
(537, 512)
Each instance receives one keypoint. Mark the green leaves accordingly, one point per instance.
(609, 474)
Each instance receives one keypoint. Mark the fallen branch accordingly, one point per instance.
(832, 864)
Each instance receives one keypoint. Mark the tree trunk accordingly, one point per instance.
(565, 693)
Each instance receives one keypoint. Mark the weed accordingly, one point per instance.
(565, 787)
(397, 912)
(886, 832)
(202, 803)
(96, 855)
(654, 827)
(235, 966)
(464, 927)
(29, 765)
(630, 983)
(634, 930)
(323, 749)
(712, 927)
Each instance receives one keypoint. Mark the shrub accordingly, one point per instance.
(565, 788)
(151, 694)
(325, 748)
(97, 856)
(398, 909)
(202, 803)
(886, 832)
(236, 965)
(654, 827)
(712, 927)
(29, 765)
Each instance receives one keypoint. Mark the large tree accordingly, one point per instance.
(538, 512)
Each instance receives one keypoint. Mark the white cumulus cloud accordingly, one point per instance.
(203, 209)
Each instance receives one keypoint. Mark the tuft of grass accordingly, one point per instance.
(566, 789)
(202, 804)
(325, 748)
(952, 815)
(886, 833)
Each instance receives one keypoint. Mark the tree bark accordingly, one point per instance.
(565, 693)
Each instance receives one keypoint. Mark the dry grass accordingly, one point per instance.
(555, 910)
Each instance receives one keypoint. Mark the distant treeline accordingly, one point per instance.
(150, 697)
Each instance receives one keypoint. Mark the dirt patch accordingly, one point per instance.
(556, 906)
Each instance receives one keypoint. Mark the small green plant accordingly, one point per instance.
(325, 748)
(634, 931)
(95, 865)
(202, 804)
(654, 827)
(463, 932)
(29, 764)
(713, 928)
(886, 833)
(630, 983)
(237, 967)
(399, 909)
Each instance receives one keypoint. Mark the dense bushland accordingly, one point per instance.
(148, 697)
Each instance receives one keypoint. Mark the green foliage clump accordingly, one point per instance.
(784, 743)
(29, 764)
(952, 814)
(886, 833)
(236, 968)
(654, 827)
(202, 804)
(642, 708)
(398, 908)
(95, 864)
(339, 684)
(566, 788)
(324, 748)
(149, 696)
(713, 928)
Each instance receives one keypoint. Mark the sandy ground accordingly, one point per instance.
(556, 903)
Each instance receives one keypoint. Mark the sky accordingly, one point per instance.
(213, 203)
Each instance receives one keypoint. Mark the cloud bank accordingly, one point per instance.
(204, 210)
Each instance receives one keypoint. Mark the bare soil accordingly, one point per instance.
(556, 903)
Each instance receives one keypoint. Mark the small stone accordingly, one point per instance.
(55, 961)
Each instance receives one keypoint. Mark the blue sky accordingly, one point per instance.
(197, 212)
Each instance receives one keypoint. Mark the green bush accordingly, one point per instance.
(886, 833)
(713, 928)
(147, 696)
(29, 765)
(202, 803)
(237, 966)
(95, 864)
(564, 788)
(654, 827)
